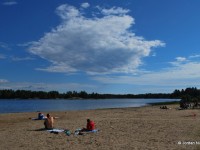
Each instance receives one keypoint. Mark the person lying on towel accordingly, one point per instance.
(41, 116)
(49, 121)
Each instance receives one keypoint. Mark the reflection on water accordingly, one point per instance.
(11, 106)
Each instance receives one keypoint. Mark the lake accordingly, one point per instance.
(13, 106)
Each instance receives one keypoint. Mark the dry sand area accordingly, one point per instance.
(120, 129)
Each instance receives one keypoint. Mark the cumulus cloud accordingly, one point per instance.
(103, 44)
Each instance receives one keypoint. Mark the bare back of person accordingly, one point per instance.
(49, 121)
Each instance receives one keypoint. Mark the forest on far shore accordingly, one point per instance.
(191, 93)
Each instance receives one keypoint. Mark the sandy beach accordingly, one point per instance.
(120, 129)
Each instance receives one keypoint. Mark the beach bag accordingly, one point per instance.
(67, 132)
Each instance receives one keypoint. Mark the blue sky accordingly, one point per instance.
(129, 46)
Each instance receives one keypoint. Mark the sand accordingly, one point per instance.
(120, 129)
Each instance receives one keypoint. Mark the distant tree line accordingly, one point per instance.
(187, 94)
(190, 97)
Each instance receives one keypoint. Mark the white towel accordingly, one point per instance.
(56, 130)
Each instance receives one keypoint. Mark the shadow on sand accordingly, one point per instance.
(41, 129)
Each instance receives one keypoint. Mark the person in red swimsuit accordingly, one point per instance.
(90, 126)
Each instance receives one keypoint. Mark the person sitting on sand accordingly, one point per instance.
(90, 126)
(49, 121)
(163, 107)
(41, 116)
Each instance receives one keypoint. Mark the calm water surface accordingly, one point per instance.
(13, 106)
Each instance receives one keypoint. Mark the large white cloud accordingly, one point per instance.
(103, 44)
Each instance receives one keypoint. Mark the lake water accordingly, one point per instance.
(13, 106)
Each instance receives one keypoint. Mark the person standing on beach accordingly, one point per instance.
(49, 121)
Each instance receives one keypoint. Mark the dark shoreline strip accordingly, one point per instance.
(164, 103)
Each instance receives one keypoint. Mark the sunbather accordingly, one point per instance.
(49, 122)
(163, 107)
(90, 126)
(41, 116)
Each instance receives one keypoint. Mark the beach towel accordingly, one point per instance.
(78, 131)
(67, 132)
(93, 131)
(42, 118)
(56, 130)
(37, 119)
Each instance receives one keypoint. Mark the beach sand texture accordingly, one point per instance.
(120, 129)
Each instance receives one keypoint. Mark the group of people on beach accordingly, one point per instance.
(164, 107)
(49, 123)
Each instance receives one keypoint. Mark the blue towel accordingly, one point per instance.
(38, 119)
(94, 131)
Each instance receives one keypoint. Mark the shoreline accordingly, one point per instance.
(147, 127)
(61, 111)
(79, 109)
(165, 103)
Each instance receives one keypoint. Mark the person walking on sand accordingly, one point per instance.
(49, 121)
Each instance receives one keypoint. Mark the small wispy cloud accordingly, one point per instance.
(114, 11)
(184, 75)
(4, 46)
(153, 55)
(183, 72)
(181, 59)
(61, 87)
(3, 81)
(85, 5)
(2, 56)
(9, 3)
(21, 58)
(194, 56)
